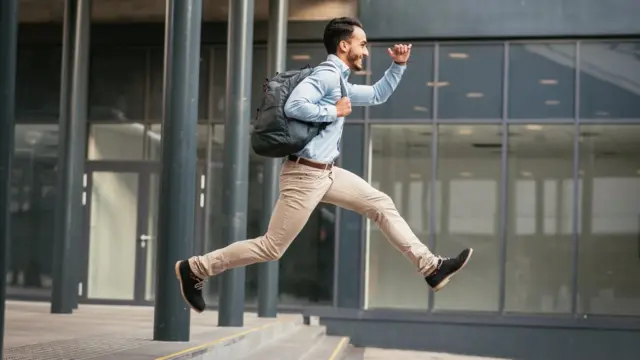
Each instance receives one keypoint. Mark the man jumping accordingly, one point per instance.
(310, 176)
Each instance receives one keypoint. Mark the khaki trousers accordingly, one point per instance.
(302, 187)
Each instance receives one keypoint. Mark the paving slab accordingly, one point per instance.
(123, 332)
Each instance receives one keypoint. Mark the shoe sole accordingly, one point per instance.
(179, 277)
(446, 280)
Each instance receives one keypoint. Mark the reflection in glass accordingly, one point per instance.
(541, 80)
(32, 210)
(609, 80)
(470, 81)
(112, 236)
(609, 259)
(468, 207)
(540, 218)
(116, 142)
(413, 96)
(117, 84)
(38, 83)
(401, 168)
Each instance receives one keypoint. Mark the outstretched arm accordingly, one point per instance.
(302, 103)
(378, 93)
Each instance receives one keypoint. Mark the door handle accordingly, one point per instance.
(145, 237)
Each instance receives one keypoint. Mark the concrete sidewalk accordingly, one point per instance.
(116, 332)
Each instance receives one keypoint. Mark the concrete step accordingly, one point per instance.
(354, 353)
(329, 348)
(307, 343)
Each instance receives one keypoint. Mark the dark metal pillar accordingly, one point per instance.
(276, 62)
(73, 154)
(178, 178)
(66, 79)
(9, 50)
(236, 152)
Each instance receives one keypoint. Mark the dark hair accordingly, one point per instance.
(338, 29)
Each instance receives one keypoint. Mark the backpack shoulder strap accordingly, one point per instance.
(343, 87)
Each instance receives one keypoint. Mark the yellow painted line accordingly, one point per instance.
(217, 341)
(335, 352)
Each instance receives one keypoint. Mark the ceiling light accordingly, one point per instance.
(420, 108)
(458, 55)
(465, 131)
(301, 57)
(526, 173)
(552, 102)
(437, 83)
(534, 127)
(475, 95)
(548, 81)
(466, 174)
(415, 176)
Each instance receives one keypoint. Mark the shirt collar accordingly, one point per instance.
(341, 65)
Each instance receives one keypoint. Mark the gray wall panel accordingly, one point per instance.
(497, 341)
(498, 18)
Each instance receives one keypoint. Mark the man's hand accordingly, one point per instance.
(343, 107)
(400, 53)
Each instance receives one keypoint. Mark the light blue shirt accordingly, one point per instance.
(315, 97)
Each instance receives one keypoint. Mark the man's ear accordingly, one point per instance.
(343, 46)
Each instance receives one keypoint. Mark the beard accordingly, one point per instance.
(355, 61)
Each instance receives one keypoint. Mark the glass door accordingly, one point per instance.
(121, 214)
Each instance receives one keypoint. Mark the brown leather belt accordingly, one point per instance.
(304, 161)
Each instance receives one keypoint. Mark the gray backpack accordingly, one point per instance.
(274, 134)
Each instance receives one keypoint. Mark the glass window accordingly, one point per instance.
(468, 208)
(470, 81)
(38, 83)
(413, 96)
(541, 80)
(609, 80)
(219, 91)
(401, 168)
(117, 84)
(351, 224)
(540, 219)
(116, 141)
(609, 255)
(32, 209)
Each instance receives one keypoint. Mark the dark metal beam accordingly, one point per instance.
(236, 153)
(73, 121)
(9, 50)
(178, 176)
(61, 257)
(276, 62)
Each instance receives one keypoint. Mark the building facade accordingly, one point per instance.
(512, 132)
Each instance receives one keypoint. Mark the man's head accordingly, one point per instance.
(345, 38)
